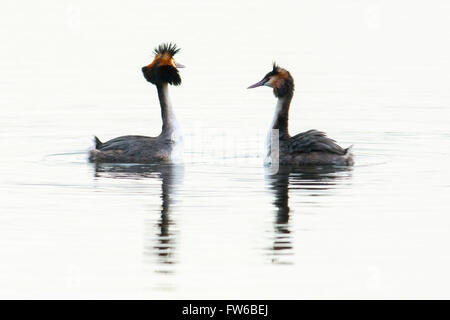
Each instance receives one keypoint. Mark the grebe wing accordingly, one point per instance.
(313, 140)
(124, 143)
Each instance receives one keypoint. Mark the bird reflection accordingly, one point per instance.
(310, 181)
(170, 175)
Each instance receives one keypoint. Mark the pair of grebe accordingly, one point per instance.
(305, 149)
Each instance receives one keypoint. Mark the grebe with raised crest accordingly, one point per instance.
(304, 149)
(141, 149)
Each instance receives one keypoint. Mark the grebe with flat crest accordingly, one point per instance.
(141, 149)
(304, 149)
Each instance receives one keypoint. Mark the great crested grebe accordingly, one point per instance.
(308, 148)
(140, 149)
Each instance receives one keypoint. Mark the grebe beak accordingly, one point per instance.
(258, 84)
(179, 65)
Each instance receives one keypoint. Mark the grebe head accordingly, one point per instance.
(279, 79)
(163, 68)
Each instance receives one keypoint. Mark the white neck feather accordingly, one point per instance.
(171, 127)
(268, 145)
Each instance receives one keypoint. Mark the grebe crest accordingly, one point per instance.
(163, 68)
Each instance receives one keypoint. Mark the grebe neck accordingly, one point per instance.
(279, 128)
(170, 127)
(281, 116)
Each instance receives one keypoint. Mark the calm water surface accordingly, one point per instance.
(374, 74)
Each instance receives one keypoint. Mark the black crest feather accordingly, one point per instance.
(275, 71)
(275, 68)
(170, 48)
(169, 74)
(162, 74)
(158, 73)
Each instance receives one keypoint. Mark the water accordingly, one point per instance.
(374, 74)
